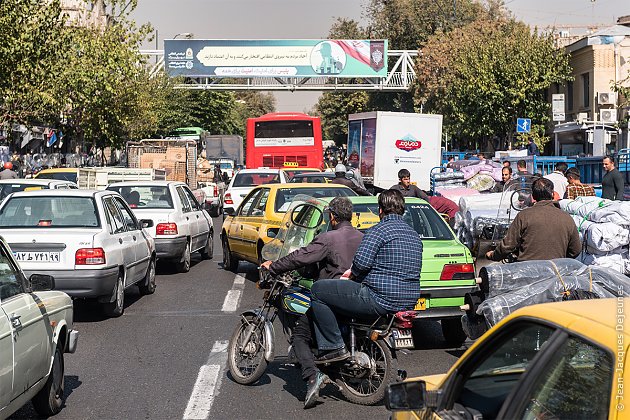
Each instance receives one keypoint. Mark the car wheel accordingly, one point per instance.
(183, 265)
(453, 331)
(117, 307)
(48, 400)
(148, 285)
(229, 261)
(208, 250)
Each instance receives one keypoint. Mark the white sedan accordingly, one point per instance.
(89, 241)
(8, 186)
(180, 224)
(246, 180)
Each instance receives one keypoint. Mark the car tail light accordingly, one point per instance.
(89, 256)
(228, 199)
(458, 272)
(216, 191)
(166, 229)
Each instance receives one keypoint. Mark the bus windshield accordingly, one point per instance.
(283, 129)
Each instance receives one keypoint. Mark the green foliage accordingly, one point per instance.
(485, 75)
(333, 108)
(32, 47)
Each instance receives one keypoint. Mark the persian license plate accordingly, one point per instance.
(32, 256)
(402, 338)
(421, 305)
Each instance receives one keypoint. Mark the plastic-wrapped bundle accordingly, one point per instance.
(471, 215)
(500, 278)
(583, 206)
(614, 212)
(455, 194)
(480, 182)
(601, 281)
(616, 260)
(490, 228)
(458, 164)
(601, 237)
(482, 201)
(448, 176)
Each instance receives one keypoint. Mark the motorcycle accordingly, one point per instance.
(363, 377)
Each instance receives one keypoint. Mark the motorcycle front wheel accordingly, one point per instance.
(246, 359)
(367, 386)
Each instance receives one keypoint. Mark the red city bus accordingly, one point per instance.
(280, 140)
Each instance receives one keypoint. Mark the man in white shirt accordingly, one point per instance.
(559, 180)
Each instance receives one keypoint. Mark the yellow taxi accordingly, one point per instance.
(565, 360)
(62, 174)
(292, 168)
(257, 220)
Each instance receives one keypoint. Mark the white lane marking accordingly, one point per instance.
(233, 297)
(207, 384)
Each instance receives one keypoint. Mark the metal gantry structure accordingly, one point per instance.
(399, 78)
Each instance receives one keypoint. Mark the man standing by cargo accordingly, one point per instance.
(612, 183)
(576, 188)
(340, 179)
(559, 179)
(541, 232)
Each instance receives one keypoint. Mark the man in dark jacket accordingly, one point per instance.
(541, 232)
(406, 188)
(340, 178)
(333, 251)
(612, 182)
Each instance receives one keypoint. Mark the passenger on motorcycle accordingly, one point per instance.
(386, 274)
(333, 252)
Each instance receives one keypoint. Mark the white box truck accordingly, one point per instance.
(382, 143)
(99, 178)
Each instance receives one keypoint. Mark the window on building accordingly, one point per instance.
(586, 90)
(569, 95)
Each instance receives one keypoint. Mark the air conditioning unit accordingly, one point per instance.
(608, 115)
(606, 98)
(582, 117)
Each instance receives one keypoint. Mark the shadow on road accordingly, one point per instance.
(89, 310)
(71, 382)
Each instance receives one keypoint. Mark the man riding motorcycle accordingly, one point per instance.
(333, 252)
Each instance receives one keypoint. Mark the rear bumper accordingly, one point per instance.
(170, 247)
(436, 294)
(83, 283)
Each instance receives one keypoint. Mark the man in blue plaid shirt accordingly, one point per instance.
(386, 273)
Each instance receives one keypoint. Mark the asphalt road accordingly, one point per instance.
(165, 357)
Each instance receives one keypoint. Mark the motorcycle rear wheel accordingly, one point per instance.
(247, 362)
(370, 389)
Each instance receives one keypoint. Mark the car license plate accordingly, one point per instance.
(32, 256)
(402, 338)
(421, 305)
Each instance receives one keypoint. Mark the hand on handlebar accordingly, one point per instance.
(266, 265)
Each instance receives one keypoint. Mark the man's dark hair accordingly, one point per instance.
(573, 173)
(509, 169)
(521, 164)
(610, 158)
(404, 173)
(542, 189)
(561, 167)
(341, 207)
(391, 202)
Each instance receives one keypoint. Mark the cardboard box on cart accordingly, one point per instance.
(381, 143)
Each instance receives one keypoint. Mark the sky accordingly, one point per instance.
(302, 19)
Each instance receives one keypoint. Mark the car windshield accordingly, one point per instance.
(49, 212)
(421, 217)
(284, 196)
(145, 196)
(61, 176)
(252, 179)
(316, 178)
(6, 189)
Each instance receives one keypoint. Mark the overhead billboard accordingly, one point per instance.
(275, 58)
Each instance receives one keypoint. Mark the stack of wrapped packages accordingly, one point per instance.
(478, 212)
(508, 287)
(604, 227)
(466, 177)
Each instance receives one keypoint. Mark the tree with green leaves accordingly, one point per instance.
(485, 75)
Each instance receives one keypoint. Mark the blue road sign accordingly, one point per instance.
(523, 125)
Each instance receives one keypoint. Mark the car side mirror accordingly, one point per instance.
(41, 282)
(410, 395)
(229, 211)
(146, 223)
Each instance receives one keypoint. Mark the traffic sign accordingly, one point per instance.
(523, 125)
